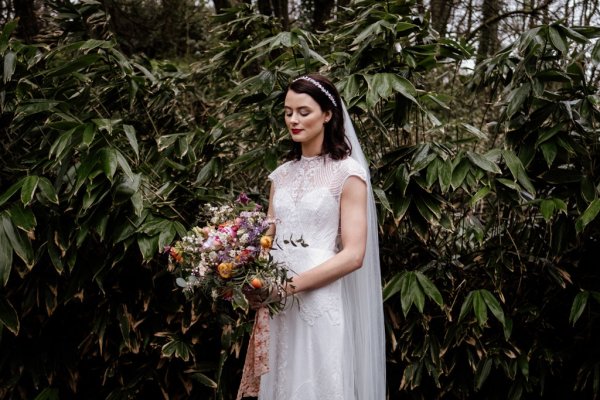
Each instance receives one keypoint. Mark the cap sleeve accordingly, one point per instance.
(278, 174)
(353, 168)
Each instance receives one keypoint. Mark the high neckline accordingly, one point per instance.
(311, 158)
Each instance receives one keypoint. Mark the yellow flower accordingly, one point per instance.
(225, 269)
(266, 242)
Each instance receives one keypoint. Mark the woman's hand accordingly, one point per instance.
(264, 296)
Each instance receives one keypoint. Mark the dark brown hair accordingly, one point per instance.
(334, 142)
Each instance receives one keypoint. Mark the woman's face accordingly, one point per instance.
(305, 121)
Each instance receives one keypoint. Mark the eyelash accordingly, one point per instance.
(302, 114)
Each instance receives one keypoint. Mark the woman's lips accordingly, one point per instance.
(296, 131)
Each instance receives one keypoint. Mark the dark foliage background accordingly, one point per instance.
(119, 120)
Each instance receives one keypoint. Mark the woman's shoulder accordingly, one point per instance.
(280, 170)
(348, 167)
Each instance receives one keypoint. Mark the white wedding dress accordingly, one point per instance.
(310, 357)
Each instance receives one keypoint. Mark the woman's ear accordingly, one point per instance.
(328, 115)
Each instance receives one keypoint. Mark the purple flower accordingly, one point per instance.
(243, 199)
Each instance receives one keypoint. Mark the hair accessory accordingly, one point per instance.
(317, 84)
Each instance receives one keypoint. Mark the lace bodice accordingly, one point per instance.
(306, 200)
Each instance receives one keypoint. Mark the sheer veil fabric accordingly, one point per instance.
(365, 336)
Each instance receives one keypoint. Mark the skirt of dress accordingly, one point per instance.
(307, 356)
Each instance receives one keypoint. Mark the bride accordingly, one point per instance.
(328, 343)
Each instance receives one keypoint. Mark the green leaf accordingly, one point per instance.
(547, 209)
(483, 163)
(19, 241)
(148, 246)
(557, 40)
(11, 191)
(47, 190)
(588, 215)
(48, 394)
(474, 131)
(124, 165)
(481, 193)
(6, 257)
(371, 31)
(483, 370)
(7, 30)
(466, 306)
(408, 280)
(59, 146)
(178, 348)
(132, 138)
(493, 305)
(9, 316)
(517, 170)
(28, 189)
(89, 132)
(459, 172)
(429, 288)
(479, 308)
(578, 306)
(204, 380)
(588, 191)
(207, 172)
(22, 217)
(417, 294)
(393, 286)
(108, 161)
(380, 194)
(10, 64)
(549, 152)
(72, 66)
(517, 98)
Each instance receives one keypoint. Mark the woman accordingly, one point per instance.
(328, 343)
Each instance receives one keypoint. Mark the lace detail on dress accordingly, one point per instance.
(317, 303)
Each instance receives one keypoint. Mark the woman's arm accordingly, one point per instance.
(353, 224)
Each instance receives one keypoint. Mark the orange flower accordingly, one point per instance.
(225, 269)
(266, 242)
(256, 283)
(175, 255)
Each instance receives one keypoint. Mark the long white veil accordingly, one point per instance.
(365, 336)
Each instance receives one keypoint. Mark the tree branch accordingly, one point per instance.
(499, 17)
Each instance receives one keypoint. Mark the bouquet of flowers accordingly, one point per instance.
(229, 256)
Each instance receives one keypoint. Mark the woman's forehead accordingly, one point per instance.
(296, 100)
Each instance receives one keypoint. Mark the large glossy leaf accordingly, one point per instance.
(47, 190)
(557, 39)
(108, 161)
(18, 240)
(483, 162)
(30, 184)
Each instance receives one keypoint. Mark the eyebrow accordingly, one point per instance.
(299, 108)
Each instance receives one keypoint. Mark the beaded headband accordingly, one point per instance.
(321, 88)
